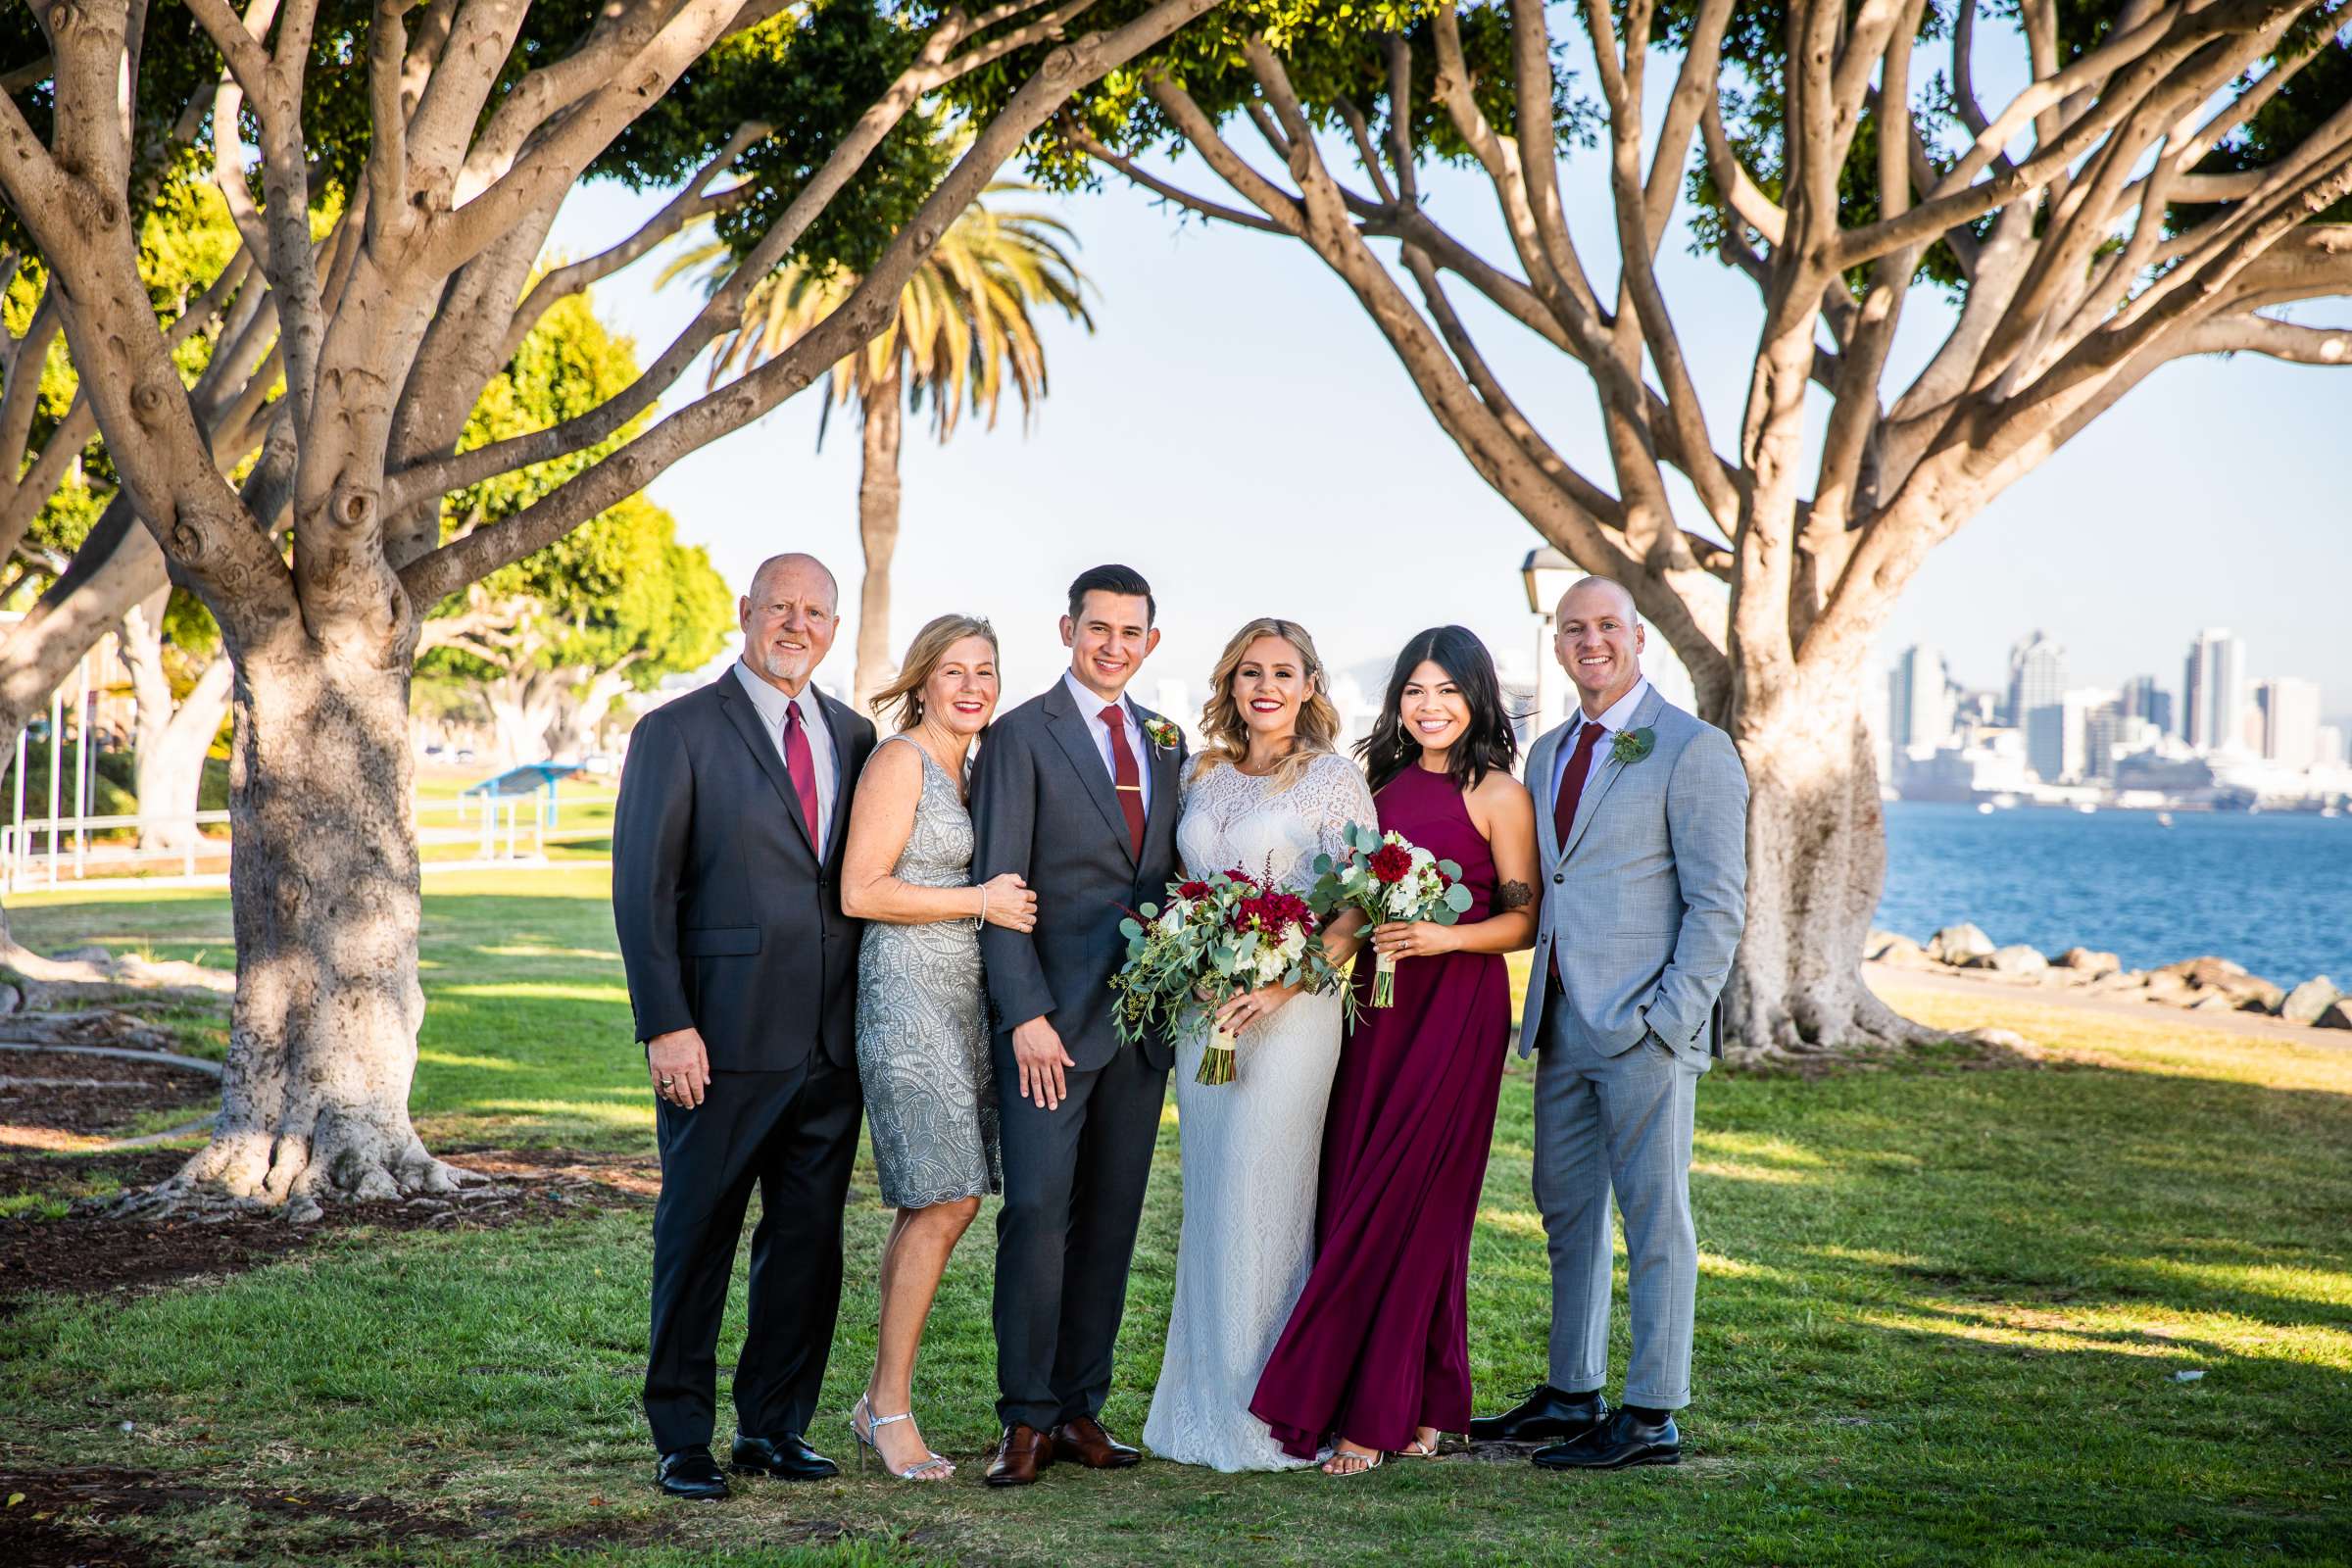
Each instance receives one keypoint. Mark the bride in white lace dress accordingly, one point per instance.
(1268, 796)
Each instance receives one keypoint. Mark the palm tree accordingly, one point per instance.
(964, 336)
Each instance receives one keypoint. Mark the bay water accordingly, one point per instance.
(2272, 891)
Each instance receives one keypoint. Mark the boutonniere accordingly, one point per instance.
(1633, 745)
(1162, 734)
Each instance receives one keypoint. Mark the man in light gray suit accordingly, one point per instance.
(1644, 861)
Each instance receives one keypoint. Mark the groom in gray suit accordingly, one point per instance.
(1645, 861)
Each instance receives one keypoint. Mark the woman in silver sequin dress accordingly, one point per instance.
(922, 1019)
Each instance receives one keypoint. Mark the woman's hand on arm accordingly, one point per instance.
(1007, 900)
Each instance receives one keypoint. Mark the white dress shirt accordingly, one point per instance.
(1089, 709)
(1613, 720)
(772, 706)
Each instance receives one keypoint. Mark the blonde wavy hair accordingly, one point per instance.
(903, 696)
(1221, 722)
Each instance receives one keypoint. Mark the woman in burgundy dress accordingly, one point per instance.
(1376, 1356)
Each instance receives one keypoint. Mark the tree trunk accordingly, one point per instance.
(1816, 865)
(169, 739)
(523, 711)
(581, 705)
(878, 530)
(322, 1038)
(170, 761)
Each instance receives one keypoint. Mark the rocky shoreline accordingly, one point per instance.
(2207, 984)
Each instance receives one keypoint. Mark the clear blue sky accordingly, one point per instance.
(1237, 429)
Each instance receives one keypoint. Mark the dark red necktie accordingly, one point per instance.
(801, 764)
(1563, 805)
(1572, 782)
(1123, 774)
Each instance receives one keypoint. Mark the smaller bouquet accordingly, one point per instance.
(1215, 939)
(1391, 879)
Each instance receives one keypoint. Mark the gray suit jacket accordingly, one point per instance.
(1043, 805)
(1645, 903)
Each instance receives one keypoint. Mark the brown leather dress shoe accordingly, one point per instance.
(1084, 1441)
(1019, 1456)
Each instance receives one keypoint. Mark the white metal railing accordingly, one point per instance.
(40, 851)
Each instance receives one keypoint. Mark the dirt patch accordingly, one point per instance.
(62, 1519)
(85, 1253)
(71, 1100)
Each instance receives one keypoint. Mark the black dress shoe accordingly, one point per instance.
(786, 1459)
(1544, 1415)
(1624, 1439)
(691, 1473)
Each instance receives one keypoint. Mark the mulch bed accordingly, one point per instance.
(85, 1253)
(61, 1521)
(67, 1100)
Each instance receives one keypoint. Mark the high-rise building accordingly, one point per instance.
(1918, 701)
(2213, 695)
(2291, 721)
(2332, 745)
(2037, 677)
(2145, 699)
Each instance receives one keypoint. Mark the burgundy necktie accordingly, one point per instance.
(801, 764)
(1123, 774)
(1563, 805)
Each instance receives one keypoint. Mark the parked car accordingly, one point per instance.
(598, 763)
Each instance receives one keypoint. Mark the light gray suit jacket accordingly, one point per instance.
(1646, 900)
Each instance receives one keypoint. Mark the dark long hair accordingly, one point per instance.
(1487, 746)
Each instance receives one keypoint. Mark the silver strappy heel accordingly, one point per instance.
(935, 1468)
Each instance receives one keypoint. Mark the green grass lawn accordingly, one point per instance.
(1941, 1317)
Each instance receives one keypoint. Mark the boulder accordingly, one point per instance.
(1957, 943)
(2163, 985)
(2121, 980)
(2250, 992)
(2089, 962)
(2213, 1001)
(2016, 962)
(2206, 971)
(1879, 941)
(1901, 953)
(2308, 1000)
(2338, 1014)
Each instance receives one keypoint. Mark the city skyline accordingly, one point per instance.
(2234, 736)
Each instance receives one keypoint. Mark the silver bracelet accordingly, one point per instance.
(981, 920)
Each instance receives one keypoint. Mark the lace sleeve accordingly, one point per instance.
(1336, 795)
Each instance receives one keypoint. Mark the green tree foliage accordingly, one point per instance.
(619, 592)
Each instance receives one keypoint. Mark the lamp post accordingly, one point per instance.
(1547, 575)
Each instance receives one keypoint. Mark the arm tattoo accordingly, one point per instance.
(1514, 896)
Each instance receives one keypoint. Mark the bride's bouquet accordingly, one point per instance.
(1215, 939)
(1391, 879)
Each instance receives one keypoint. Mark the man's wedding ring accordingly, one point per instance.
(666, 1082)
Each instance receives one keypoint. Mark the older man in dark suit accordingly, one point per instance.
(1076, 791)
(743, 974)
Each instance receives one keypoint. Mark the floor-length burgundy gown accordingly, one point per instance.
(1379, 1343)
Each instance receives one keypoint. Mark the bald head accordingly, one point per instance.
(1599, 642)
(1591, 594)
(788, 618)
(794, 561)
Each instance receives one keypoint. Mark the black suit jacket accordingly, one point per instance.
(1043, 805)
(728, 922)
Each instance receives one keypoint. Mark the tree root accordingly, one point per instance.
(250, 1172)
(94, 973)
(1814, 1033)
(93, 1027)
